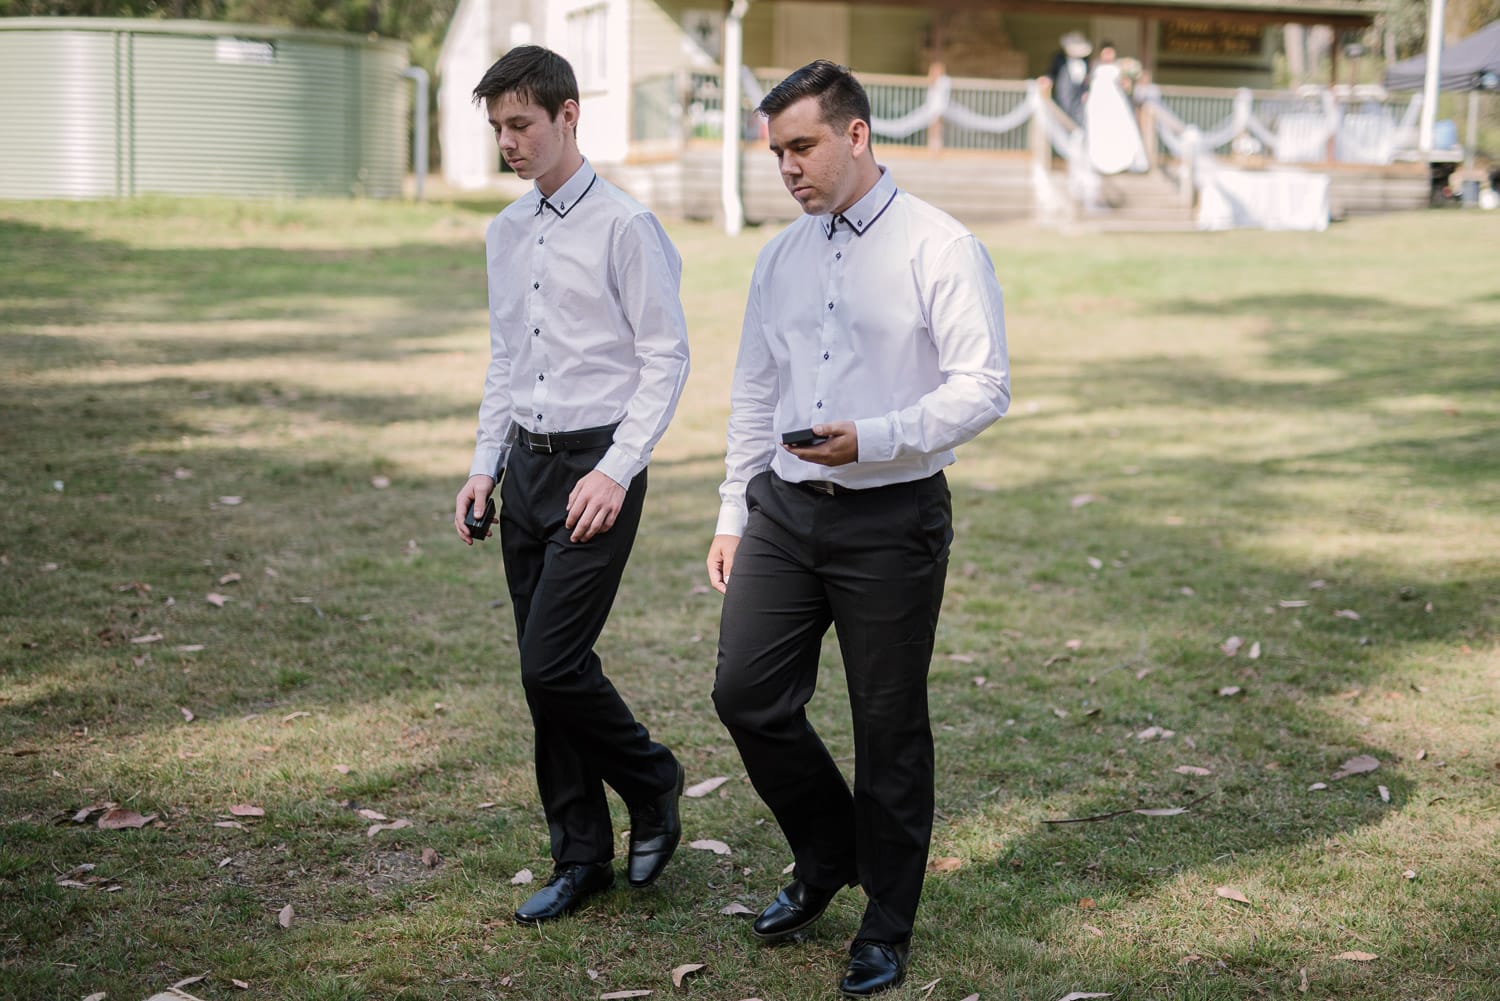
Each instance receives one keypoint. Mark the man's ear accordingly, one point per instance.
(568, 113)
(858, 132)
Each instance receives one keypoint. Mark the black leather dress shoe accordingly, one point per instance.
(655, 829)
(794, 908)
(874, 967)
(569, 886)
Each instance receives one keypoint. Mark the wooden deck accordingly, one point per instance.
(982, 187)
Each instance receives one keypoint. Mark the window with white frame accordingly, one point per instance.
(586, 38)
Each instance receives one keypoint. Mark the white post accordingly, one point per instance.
(1430, 81)
(729, 168)
(1473, 130)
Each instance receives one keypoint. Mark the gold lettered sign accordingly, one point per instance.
(1205, 37)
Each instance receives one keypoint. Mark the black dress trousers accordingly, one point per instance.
(873, 564)
(562, 591)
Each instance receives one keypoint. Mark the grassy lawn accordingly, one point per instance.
(231, 438)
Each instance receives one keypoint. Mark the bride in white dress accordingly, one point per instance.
(1114, 139)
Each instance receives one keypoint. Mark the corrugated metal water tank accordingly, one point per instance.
(96, 107)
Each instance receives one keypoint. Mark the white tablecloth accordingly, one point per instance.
(1264, 199)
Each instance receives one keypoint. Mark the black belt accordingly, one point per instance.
(824, 487)
(548, 442)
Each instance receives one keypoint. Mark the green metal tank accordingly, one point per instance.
(101, 108)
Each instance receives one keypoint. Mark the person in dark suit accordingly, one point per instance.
(1069, 74)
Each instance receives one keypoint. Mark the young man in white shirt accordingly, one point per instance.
(876, 320)
(588, 356)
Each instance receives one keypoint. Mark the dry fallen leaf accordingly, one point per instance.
(1410, 874)
(187, 714)
(700, 789)
(1230, 893)
(148, 638)
(372, 814)
(1254, 653)
(485, 806)
(285, 917)
(944, 864)
(216, 599)
(1088, 903)
(189, 980)
(246, 810)
(231, 501)
(1347, 613)
(1229, 690)
(230, 823)
(1096, 563)
(291, 716)
(522, 878)
(242, 985)
(230, 578)
(736, 909)
(1231, 646)
(1358, 957)
(341, 769)
(120, 819)
(1165, 811)
(394, 825)
(430, 858)
(1317, 787)
(621, 995)
(710, 845)
(1302, 985)
(1097, 933)
(686, 969)
(380, 482)
(1192, 770)
(1294, 603)
(1385, 794)
(1357, 765)
(1082, 996)
(96, 996)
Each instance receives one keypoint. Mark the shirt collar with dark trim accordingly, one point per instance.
(862, 214)
(570, 194)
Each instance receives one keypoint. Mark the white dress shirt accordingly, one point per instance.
(889, 316)
(586, 327)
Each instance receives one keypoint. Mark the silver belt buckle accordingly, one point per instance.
(541, 441)
(822, 486)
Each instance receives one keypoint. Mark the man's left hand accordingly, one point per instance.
(841, 448)
(593, 505)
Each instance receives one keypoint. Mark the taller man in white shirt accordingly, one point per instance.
(875, 319)
(588, 356)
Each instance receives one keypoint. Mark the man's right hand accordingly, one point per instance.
(471, 498)
(721, 560)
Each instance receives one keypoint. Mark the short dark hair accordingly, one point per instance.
(539, 75)
(841, 99)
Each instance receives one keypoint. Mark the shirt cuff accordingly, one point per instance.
(620, 466)
(732, 520)
(488, 462)
(876, 442)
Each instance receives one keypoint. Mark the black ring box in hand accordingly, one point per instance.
(479, 528)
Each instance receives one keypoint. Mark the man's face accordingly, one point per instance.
(532, 143)
(816, 161)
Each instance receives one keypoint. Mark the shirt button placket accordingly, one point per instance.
(539, 359)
